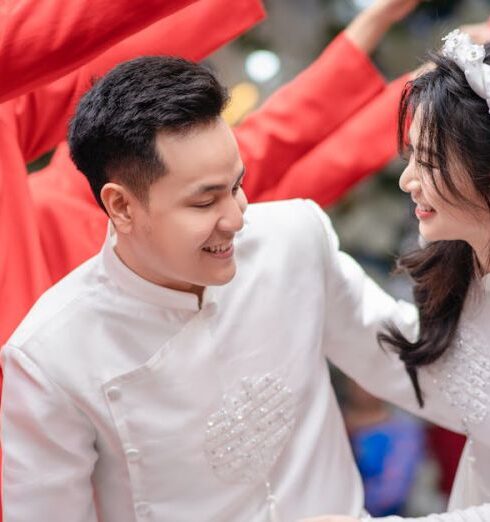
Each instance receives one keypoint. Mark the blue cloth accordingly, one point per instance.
(387, 455)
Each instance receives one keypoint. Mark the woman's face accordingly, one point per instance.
(441, 215)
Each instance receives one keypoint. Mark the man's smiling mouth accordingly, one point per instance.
(219, 249)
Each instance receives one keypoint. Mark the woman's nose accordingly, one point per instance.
(408, 181)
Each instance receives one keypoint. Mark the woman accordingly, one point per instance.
(446, 114)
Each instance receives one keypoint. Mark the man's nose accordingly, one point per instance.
(232, 218)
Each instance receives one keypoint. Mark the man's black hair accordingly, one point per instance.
(112, 136)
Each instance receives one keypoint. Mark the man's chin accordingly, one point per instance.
(223, 278)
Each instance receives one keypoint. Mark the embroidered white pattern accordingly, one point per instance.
(463, 375)
(469, 57)
(245, 437)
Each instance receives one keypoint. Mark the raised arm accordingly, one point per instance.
(361, 146)
(308, 109)
(48, 448)
(42, 116)
(370, 26)
(303, 112)
(41, 40)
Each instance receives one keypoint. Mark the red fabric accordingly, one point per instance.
(34, 123)
(42, 115)
(41, 40)
(364, 144)
(304, 112)
(446, 447)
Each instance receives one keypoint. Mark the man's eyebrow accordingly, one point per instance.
(203, 189)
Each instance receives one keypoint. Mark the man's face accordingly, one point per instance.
(183, 237)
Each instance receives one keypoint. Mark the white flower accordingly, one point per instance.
(469, 57)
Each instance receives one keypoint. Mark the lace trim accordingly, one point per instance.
(463, 375)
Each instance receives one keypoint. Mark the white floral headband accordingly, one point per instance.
(469, 57)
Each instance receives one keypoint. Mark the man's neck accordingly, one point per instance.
(128, 260)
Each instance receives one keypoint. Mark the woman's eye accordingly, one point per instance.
(407, 152)
(425, 165)
(236, 188)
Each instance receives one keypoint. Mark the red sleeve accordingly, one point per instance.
(304, 112)
(42, 115)
(362, 146)
(193, 32)
(41, 40)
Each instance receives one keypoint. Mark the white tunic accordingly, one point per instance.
(462, 378)
(124, 401)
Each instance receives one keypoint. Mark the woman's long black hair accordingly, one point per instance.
(454, 133)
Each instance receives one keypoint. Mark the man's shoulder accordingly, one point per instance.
(58, 308)
(289, 223)
(291, 214)
(272, 208)
(285, 236)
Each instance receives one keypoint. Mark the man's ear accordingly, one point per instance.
(118, 202)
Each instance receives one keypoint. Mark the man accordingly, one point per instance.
(179, 374)
(36, 122)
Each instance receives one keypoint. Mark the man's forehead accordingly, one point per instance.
(207, 154)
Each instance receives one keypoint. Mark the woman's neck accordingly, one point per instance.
(482, 259)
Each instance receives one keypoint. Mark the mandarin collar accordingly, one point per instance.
(145, 290)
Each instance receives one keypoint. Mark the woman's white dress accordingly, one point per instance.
(457, 388)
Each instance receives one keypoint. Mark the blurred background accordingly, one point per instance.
(407, 466)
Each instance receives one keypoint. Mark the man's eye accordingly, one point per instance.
(236, 188)
(203, 205)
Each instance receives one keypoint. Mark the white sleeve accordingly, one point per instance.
(357, 309)
(471, 514)
(48, 448)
